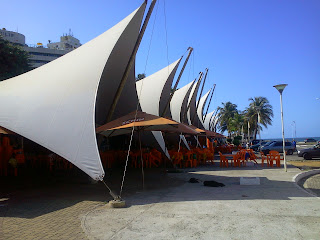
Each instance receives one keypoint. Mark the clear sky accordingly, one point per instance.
(248, 46)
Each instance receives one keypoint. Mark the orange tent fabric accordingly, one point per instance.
(143, 122)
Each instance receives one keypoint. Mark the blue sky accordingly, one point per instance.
(248, 46)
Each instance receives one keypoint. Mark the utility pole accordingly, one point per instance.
(130, 63)
(176, 84)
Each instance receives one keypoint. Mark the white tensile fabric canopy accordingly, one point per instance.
(151, 89)
(154, 91)
(214, 121)
(207, 120)
(178, 105)
(178, 98)
(191, 113)
(201, 104)
(54, 105)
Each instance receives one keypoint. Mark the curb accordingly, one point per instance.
(302, 175)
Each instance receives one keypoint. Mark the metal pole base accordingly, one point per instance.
(117, 203)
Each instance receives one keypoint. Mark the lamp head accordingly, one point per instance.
(280, 87)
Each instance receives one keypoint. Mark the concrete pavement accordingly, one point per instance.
(276, 209)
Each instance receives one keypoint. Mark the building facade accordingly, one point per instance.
(39, 54)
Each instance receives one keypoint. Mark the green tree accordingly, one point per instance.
(13, 60)
(235, 124)
(140, 76)
(226, 114)
(259, 107)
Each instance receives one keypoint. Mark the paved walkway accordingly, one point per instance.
(77, 210)
(45, 214)
(275, 209)
(53, 209)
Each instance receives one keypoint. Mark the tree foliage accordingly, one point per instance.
(226, 113)
(140, 76)
(236, 122)
(13, 60)
(259, 106)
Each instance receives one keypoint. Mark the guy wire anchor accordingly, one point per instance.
(117, 202)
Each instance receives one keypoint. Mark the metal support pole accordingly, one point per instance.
(283, 142)
(188, 106)
(176, 84)
(197, 104)
(130, 63)
(248, 131)
(259, 128)
(214, 86)
(204, 81)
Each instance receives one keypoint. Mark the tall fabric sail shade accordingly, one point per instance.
(178, 106)
(207, 120)
(178, 98)
(113, 72)
(153, 92)
(192, 109)
(214, 121)
(202, 102)
(54, 105)
(155, 89)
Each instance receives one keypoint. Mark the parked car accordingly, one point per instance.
(255, 141)
(256, 147)
(309, 153)
(277, 146)
(310, 140)
(267, 144)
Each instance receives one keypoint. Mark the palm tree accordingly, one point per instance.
(225, 115)
(236, 123)
(259, 107)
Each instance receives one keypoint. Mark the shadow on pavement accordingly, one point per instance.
(33, 196)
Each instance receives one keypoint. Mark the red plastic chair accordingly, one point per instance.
(223, 160)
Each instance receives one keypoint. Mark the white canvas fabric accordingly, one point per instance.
(202, 102)
(153, 92)
(191, 113)
(178, 98)
(207, 120)
(54, 105)
(214, 121)
(183, 138)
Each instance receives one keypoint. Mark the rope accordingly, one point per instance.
(154, 21)
(193, 60)
(165, 27)
(135, 117)
(141, 162)
(125, 168)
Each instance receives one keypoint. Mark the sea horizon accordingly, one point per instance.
(297, 139)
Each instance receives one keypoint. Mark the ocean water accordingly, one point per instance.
(290, 139)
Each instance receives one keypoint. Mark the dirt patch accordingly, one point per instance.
(306, 165)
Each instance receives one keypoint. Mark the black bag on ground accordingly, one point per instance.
(213, 184)
(193, 180)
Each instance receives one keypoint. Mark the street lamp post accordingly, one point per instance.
(248, 131)
(280, 88)
(258, 125)
(294, 132)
